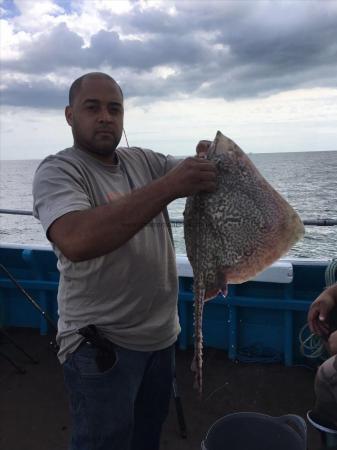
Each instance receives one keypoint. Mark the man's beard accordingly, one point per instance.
(104, 149)
(105, 146)
(99, 146)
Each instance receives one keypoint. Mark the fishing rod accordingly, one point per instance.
(33, 302)
(325, 222)
(29, 298)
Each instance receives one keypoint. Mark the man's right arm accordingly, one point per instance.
(90, 233)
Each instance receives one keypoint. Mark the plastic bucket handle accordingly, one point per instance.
(297, 423)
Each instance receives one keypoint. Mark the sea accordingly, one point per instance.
(307, 180)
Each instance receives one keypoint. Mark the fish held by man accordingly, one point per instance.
(234, 233)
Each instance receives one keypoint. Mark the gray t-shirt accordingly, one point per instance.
(130, 293)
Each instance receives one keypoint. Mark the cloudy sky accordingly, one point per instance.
(262, 72)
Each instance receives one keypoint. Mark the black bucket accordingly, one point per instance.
(255, 431)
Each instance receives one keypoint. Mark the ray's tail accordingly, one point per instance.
(196, 366)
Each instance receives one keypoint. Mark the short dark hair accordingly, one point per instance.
(77, 84)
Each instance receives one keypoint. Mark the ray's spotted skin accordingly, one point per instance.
(234, 233)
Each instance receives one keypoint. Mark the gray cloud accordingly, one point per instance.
(64, 48)
(218, 49)
(49, 52)
(106, 47)
(37, 94)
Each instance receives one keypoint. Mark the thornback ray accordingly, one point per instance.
(234, 233)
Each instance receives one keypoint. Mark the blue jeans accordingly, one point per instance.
(122, 408)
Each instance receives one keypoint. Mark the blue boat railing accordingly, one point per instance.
(322, 222)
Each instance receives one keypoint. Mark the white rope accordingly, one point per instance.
(311, 346)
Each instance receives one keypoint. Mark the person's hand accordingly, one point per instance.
(320, 311)
(193, 174)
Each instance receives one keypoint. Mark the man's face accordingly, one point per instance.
(96, 117)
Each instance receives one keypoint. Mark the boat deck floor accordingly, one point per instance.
(34, 411)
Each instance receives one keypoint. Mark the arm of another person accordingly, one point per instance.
(90, 233)
(319, 315)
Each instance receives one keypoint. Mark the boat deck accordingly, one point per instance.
(34, 412)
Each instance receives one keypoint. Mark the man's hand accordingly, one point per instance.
(192, 175)
(320, 311)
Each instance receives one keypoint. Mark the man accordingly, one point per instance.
(322, 321)
(104, 210)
